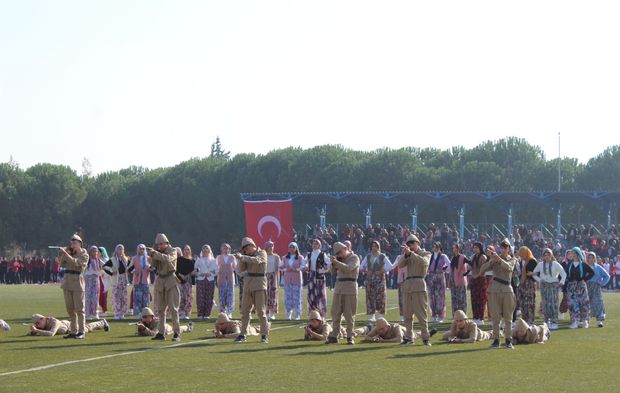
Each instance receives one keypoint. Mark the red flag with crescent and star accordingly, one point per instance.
(270, 220)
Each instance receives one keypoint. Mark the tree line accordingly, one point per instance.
(197, 201)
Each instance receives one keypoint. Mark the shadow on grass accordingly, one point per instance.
(431, 354)
(347, 349)
(20, 341)
(263, 348)
(168, 346)
(60, 346)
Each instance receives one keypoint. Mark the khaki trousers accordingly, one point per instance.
(76, 308)
(94, 326)
(258, 300)
(416, 303)
(502, 305)
(343, 305)
(169, 298)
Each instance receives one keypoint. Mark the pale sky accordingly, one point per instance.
(152, 83)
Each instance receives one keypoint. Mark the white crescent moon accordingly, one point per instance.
(267, 219)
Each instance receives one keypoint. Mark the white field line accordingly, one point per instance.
(53, 365)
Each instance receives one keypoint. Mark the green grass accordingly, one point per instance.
(572, 361)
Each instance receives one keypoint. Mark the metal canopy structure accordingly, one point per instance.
(458, 200)
(428, 197)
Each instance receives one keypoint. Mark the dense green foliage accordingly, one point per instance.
(198, 200)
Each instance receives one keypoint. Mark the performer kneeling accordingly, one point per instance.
(524, 333)
(227, 328)
(148, 326)
(464, 330)
(50, 326)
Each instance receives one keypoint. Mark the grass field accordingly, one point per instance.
(572, 361)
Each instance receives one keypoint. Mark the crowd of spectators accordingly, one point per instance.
(605, 243)
(29, 270)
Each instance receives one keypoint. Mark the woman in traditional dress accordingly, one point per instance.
(436, 282)
(318, 264)
(205, 271)
(459, 268)
(547, 273)
(104, 282)
(292, 264)
(527, 285)
(578, 273)
(185, 267)
(227, 264)
(479, 284)
(599, 280)
(116, 268)
(140, 267)
(273, 271)
(376, 265)
(91, 278)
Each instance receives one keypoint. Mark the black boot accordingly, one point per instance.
(159, 337)
(495, 344)
(331, 340)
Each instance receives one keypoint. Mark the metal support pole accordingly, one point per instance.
(414, 220)
(509, 229)
(462, 223)
(559, 230)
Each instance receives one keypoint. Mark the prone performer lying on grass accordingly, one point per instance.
(524, 333)
(464, 330)
(383, 332)
(50, 326)
(318, 329)
(227, 328)
(148, 325)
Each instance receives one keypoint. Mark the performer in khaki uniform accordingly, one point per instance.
(524, 333)
(383, 332)
(254, 263)
(318, 329)
(74, 259)
(164, 260)
(344, 301)
(464, 330)
(227, 328)
(416, 261)
(50, 326)
(501, 295)
(149, 325)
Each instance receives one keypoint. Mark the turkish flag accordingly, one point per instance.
(270, 220)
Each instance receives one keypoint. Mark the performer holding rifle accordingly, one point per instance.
(253, 262)
(74, 259)
(344, 302)
(416, 260)
(501, 295)
(164, 260)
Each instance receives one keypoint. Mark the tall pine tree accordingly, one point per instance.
(218, 151)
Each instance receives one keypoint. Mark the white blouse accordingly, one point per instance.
(206, 268)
